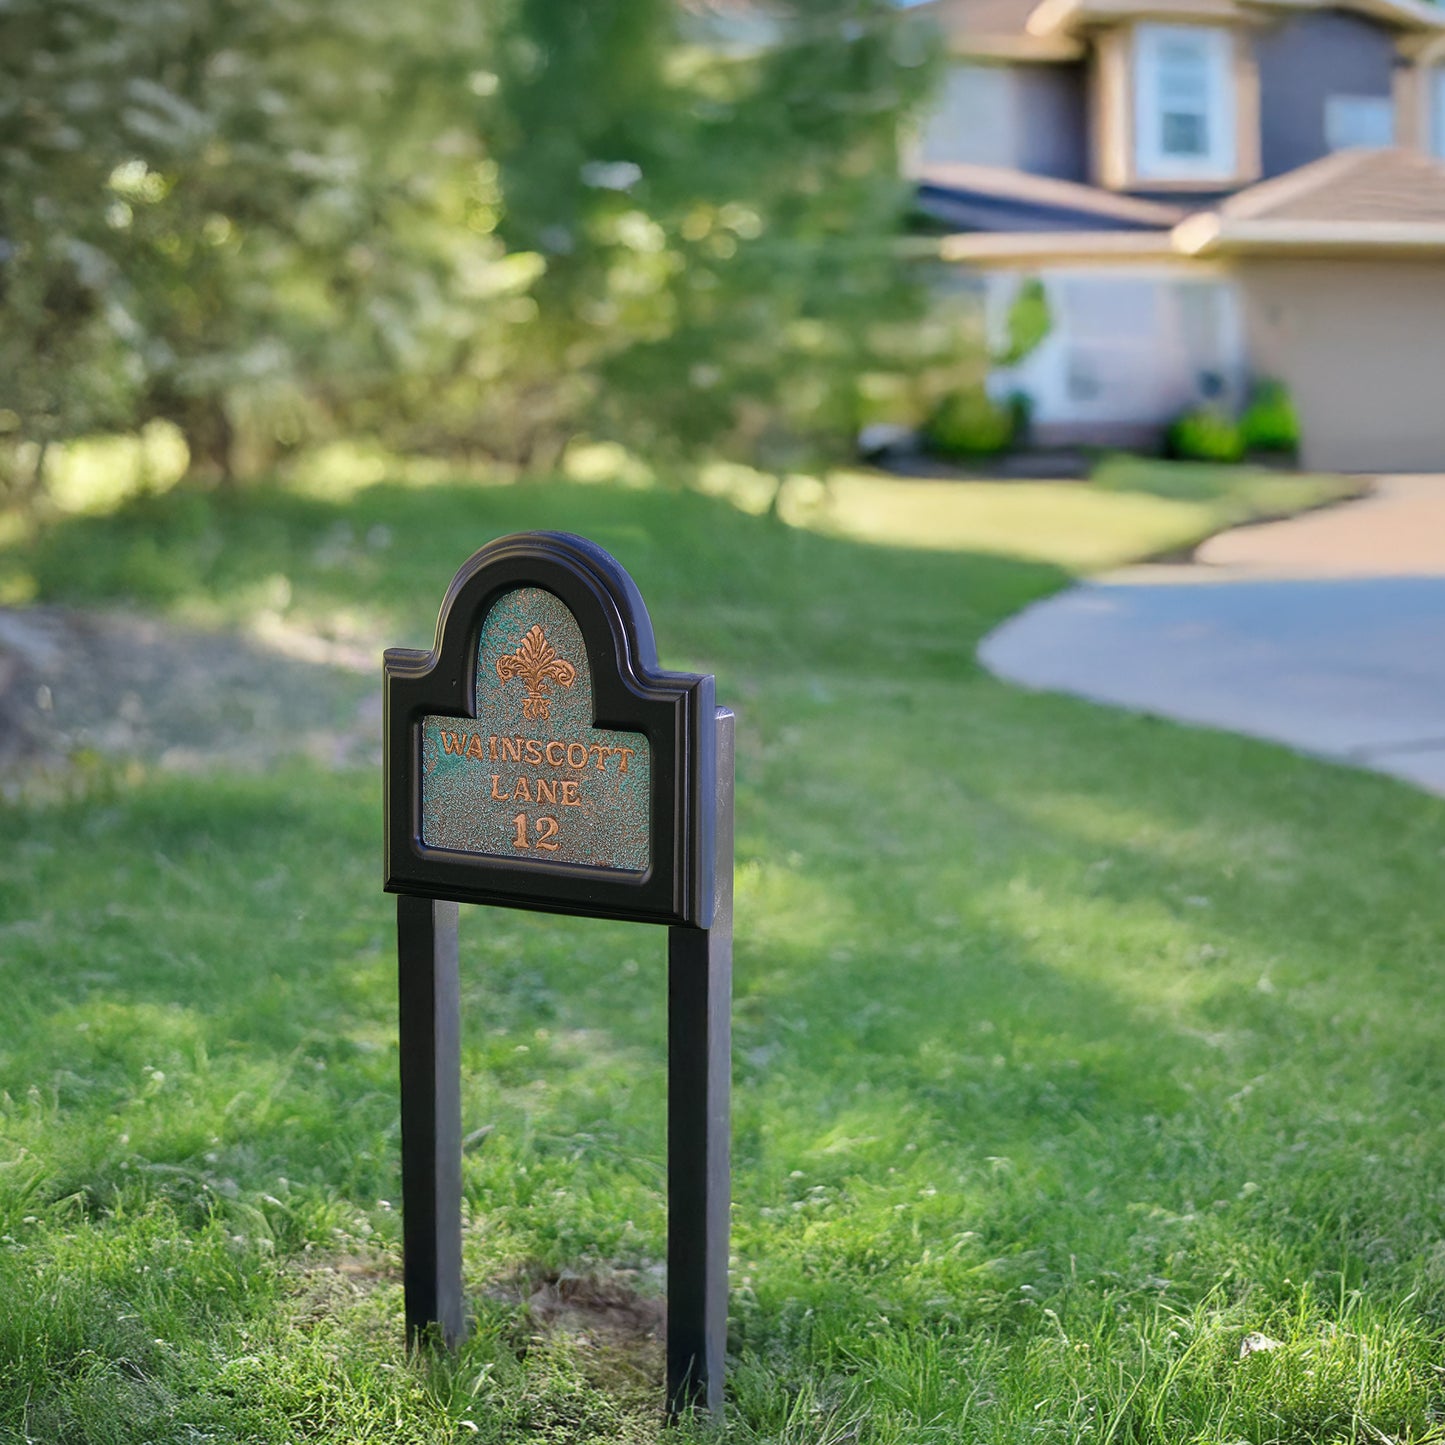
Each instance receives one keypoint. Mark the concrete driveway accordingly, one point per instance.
(1325, 632)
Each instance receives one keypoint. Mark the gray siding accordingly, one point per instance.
(1051, 122)
(1303, 62)
(1026, 117)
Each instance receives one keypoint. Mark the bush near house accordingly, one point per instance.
(1269, 423)
(1204, 435)
(970, 423)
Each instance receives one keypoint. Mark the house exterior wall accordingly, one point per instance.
(1361, 346)
(1053, 121)
(1304, 61)
(1128, 349)
(1026, 117)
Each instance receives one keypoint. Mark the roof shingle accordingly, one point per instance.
(1356, 185)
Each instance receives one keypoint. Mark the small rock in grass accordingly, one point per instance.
(1255, 1343)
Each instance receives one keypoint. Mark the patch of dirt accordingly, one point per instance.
(325, 1286)
(122, 685)
(609, 1316)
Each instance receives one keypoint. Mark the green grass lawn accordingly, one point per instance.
(1130, 509)
(1071, 1047)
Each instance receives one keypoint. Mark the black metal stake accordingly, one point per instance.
(699, 1046)
(431, 1118)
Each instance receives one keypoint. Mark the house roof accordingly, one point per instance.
(1362, 202)
(1353, 185)
(1354, 201)
(1054, 29)
(996, 29)
(1406, 14)
(1049, 203)
(996, 248)
(1053, 18)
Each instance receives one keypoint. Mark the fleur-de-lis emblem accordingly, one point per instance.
(536, 663)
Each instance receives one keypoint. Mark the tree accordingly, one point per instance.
(716, 228)
(222, 213)
(461, 227)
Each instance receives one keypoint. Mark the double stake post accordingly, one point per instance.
(699, 1041)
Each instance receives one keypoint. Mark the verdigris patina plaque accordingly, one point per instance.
(530, 776)
(537, 756)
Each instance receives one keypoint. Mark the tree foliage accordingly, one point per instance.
(718, 224)
(461, 228)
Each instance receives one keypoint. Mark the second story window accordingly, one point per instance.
(1184, 99)
(1359, 120)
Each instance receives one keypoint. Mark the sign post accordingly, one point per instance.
(537, 757)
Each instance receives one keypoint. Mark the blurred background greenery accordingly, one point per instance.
(485, 233)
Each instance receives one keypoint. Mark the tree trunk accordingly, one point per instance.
(210, 439)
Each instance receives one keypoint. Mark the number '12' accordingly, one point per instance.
(546, 828)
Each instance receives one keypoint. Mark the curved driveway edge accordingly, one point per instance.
(1325, 633)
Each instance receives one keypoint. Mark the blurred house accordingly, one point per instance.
(1209, 190)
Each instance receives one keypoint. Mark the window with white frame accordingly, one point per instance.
(1359, 120)
(1184, 103)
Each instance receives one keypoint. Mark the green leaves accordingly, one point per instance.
(461, 229)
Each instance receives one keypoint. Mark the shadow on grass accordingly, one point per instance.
(738, 590)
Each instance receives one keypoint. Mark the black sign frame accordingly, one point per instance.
(674, 711)
(688, 886)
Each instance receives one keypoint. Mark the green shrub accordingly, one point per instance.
(1204, 435)
(1021, 411)
(1028, 323)
(1269, 423)
(970, 423)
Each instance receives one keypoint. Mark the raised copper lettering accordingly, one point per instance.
(522, 791)
(474, 748)
(500, 797)
(511, 750)
(561, 752)
(572, 750)
(568, 795)
(454, 743)
(546, 790)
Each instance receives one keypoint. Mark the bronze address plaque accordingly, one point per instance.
(537, 756)
(531, 776)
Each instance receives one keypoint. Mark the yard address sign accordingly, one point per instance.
(538, 758)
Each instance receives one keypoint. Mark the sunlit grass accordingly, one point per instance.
(1129, 510)
(1071, 1047)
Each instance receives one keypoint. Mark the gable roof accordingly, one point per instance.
(964, 194)
(1054, 29)
(1361, 201)
(1353, 185)
(1353, 203)
(1068, 17)
(996, 30)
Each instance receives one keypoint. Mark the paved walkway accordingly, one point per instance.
(1325, 632)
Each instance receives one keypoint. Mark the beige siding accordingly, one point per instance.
(1412, 125)
(1361, 344)
(1111, 100)
(1247, 112)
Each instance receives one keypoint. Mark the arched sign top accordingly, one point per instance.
(538, 757)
